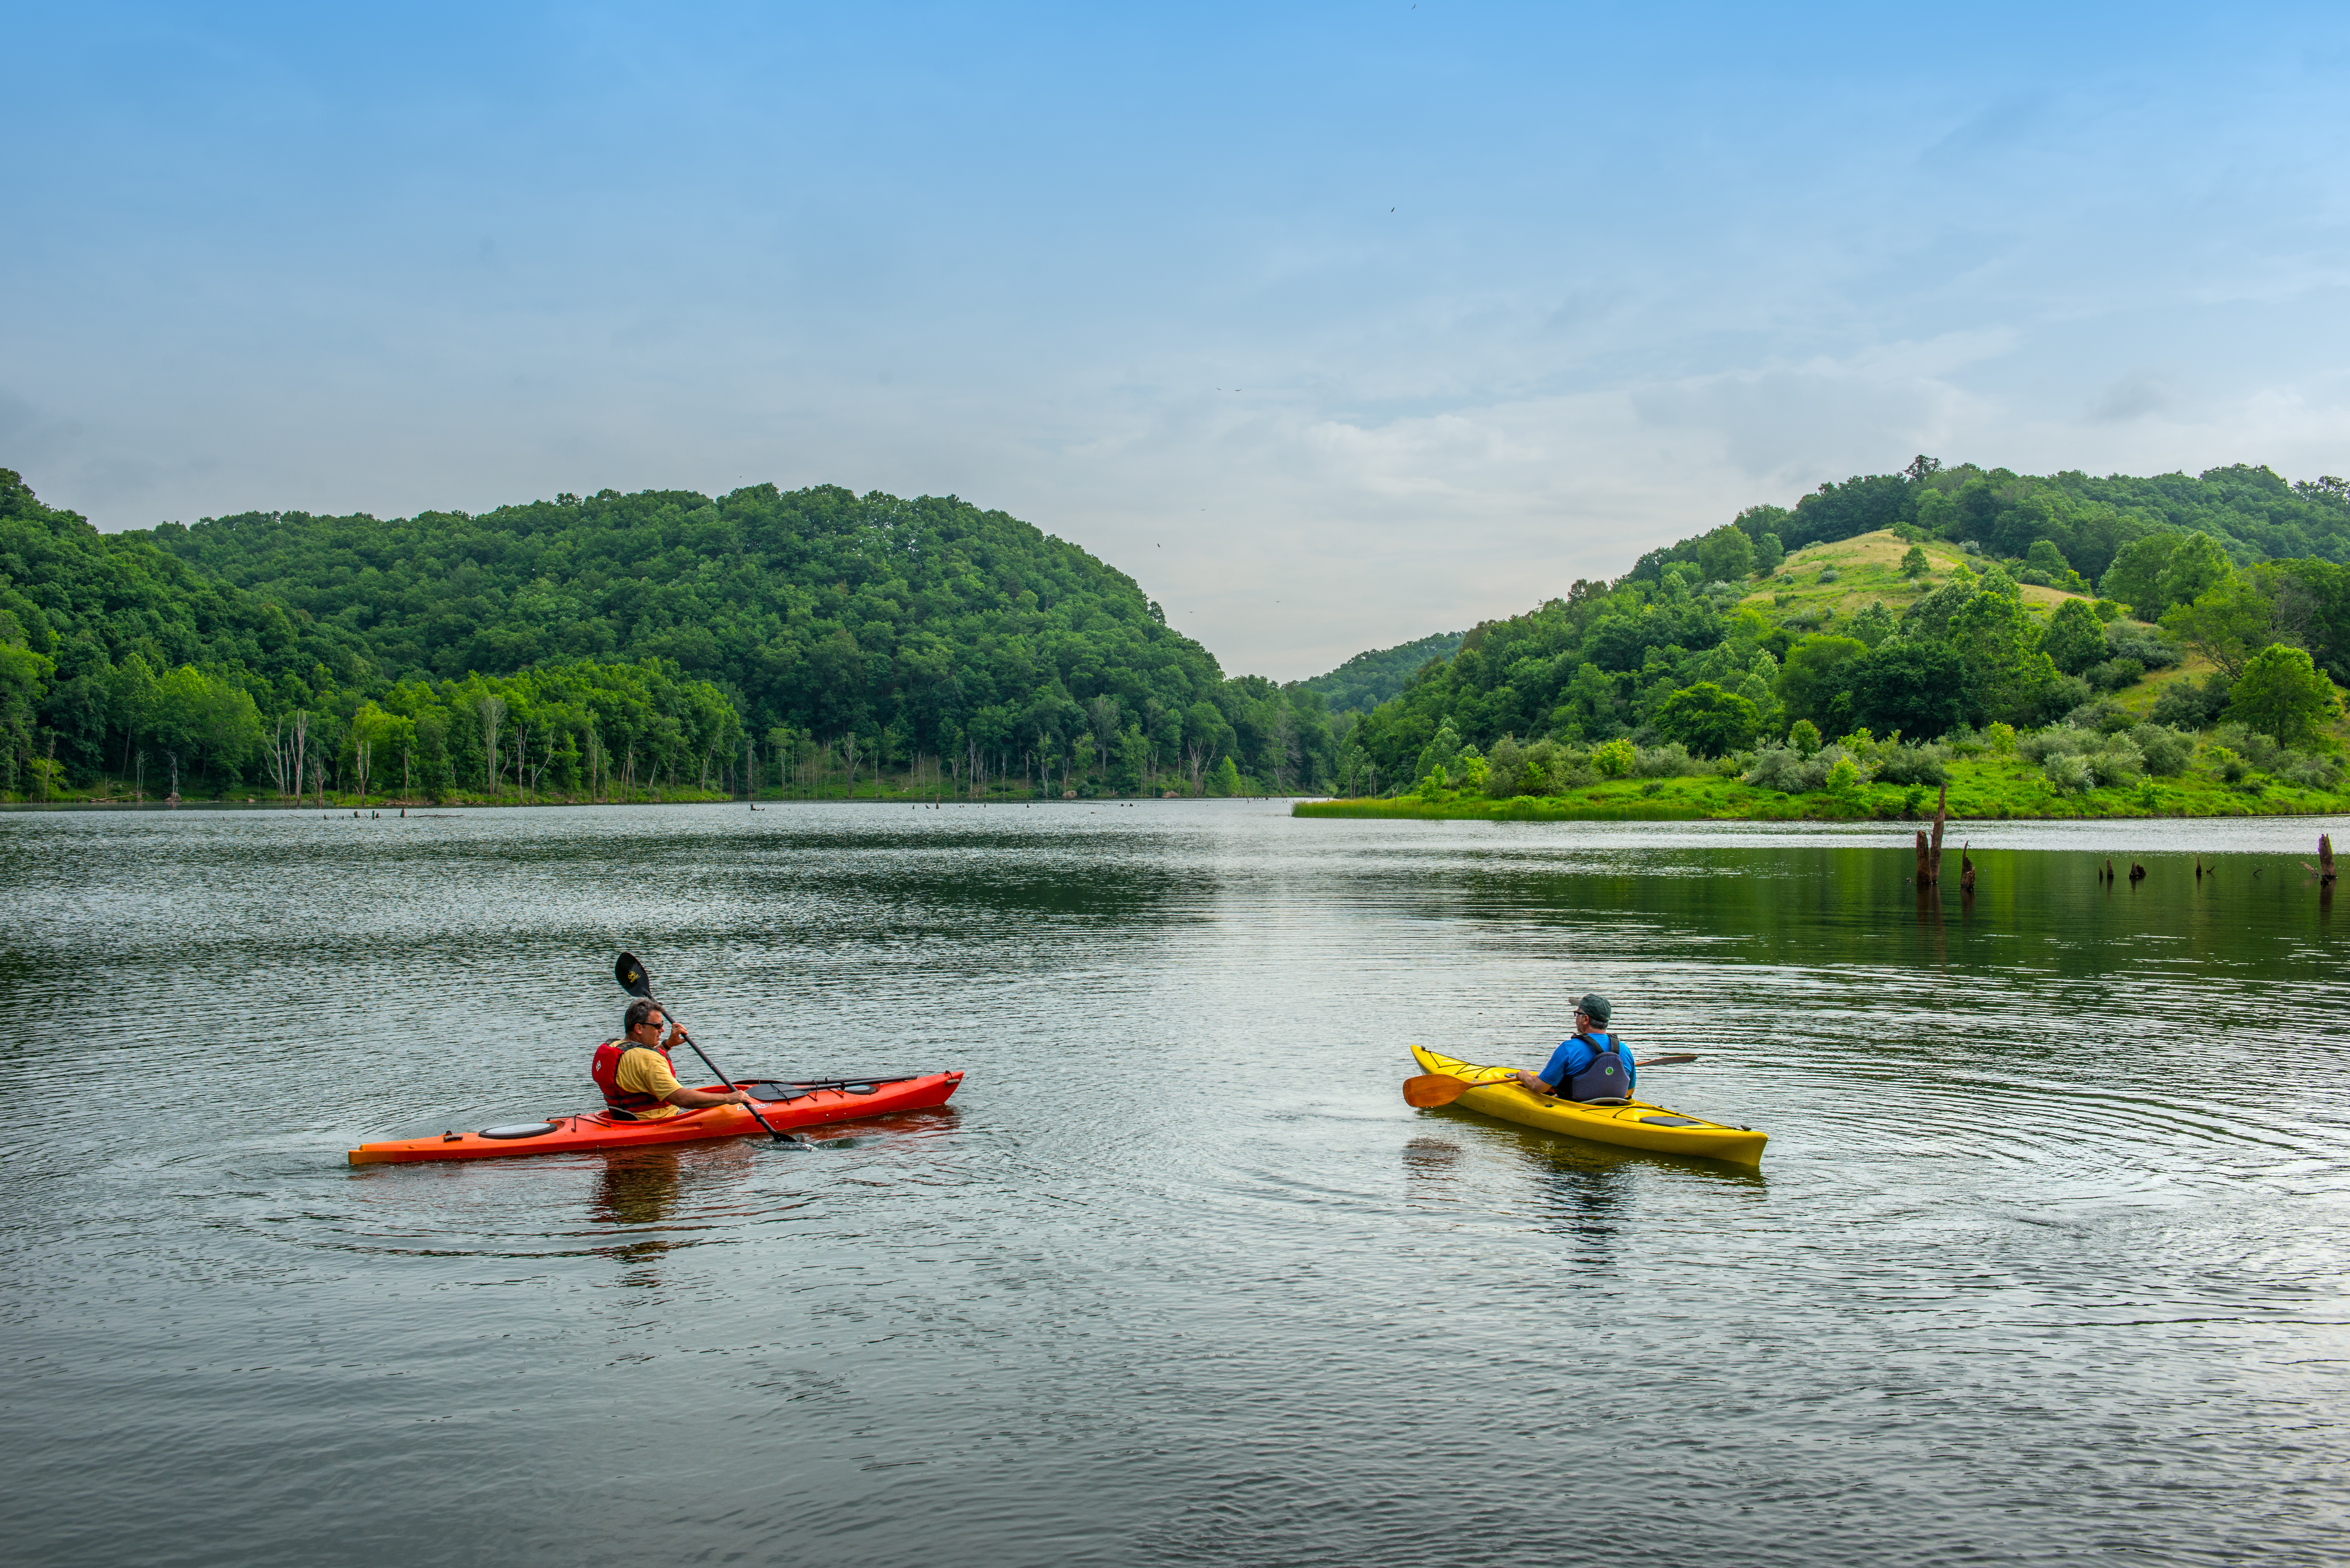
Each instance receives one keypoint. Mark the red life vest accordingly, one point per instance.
(604, 1068)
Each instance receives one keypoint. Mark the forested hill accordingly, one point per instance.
(923, 627)
(1368, 680)
(1932, 600)
(825, 610)
(2252, 512)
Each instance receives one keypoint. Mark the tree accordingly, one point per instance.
(1805, 736)
(2195, 567)
(2007, 672)
(1769, 554)
(1815, 675)
(1916, 687)
(1225, 778)
(2227, 623)
(2136, 575)
(1874, 624)
(1727, 555)
(2075, 638)
(2282, 693)
(1914, 563)
(1707, 719)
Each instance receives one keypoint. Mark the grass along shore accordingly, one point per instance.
(1989, 787)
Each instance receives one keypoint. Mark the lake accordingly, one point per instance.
(2043, 1262)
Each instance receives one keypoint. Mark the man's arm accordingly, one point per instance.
(697, 1099)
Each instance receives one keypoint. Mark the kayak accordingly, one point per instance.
(786, 1106)
(1635, 1124)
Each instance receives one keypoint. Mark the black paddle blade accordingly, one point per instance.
(631, 976)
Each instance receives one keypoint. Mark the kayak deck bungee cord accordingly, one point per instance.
(785, 1104)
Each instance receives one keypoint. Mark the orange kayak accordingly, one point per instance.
(785, 1106)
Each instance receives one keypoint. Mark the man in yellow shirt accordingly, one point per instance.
(635, 1074)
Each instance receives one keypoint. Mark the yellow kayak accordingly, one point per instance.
(1637, 1123)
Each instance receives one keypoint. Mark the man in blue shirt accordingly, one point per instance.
(1576, 1057)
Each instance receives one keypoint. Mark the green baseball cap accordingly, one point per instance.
(1594, 1007)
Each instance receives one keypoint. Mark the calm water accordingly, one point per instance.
(2044, 1262)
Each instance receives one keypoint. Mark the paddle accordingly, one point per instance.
(637, 983)
(1442, 1088)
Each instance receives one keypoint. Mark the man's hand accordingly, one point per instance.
(1529, 1082)
(676, 1038)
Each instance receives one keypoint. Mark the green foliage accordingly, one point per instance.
(1874, 624)
(1815, 682)
(1614, 760)
(1707, 719)
(2231, 620)
(2283, 694)
(1769, 554)
(2075, 638)
(1805, 737)
(1225, 778)
(1914, 561)
(1368, 680)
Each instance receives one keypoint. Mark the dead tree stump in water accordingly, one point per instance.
(2325, 858)
(2137, 873)
(1966, 871)
(2107, 875)
(1924, 876)
(1941, 814)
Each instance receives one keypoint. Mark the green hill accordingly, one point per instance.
(825, 626)
(1368, 680)
(1925, 602)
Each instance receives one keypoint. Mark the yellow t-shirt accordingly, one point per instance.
(645, 1071)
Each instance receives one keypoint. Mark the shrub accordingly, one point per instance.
(2184, 705)
(2260, 751)
(1920, 765)
(2068, 771)
(1827, 573)
(1780, 768)
(2314, 771)
(2116, 673)
(1505, 770)
(2056, 740)
(2000, 737)
(1614, 760)
(2106, 718)
(2064, 695)
(1844, 777)
(2231, 767)
(2165, 750)
(2117, 761)
(1670, 761)
(2150, 648)
(1805, 736)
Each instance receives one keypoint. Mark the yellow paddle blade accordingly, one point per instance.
(1436, 1089)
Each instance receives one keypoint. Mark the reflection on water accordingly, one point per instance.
(638, 1188)
(2042, 1262)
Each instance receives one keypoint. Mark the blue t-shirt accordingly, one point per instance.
(1573, 1056)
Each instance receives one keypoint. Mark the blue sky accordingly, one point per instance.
(1333, 325)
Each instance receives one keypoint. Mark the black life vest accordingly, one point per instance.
(604, 1068)
(1605, 1079)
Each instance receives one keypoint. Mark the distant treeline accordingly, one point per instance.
(665, 635)
(1368, 680)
